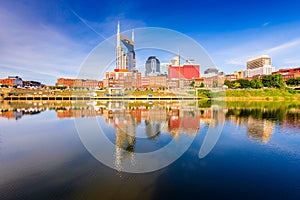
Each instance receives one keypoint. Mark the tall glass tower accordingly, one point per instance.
(125, 60)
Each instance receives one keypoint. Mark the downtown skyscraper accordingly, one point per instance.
(125, 60)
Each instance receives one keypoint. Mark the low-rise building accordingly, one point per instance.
(172, 83)
(198, 82)
(289, 73)
(230, 77)
(123, 79)
(158, 81)
(12, 81)
(145, 82)
(35, 84)
(240, 74)
(214, 81)
(71, 83)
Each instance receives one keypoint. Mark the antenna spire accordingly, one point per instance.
(132, 35)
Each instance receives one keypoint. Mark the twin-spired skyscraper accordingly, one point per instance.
(125, 60)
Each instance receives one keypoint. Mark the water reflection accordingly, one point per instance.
(42, 155)
(133, 120)
(261, 118)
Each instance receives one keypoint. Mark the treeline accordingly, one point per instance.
(269, 81)
(293, 81)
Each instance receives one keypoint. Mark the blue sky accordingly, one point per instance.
(42, 40)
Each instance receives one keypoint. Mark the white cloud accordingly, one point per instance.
(283, 55)
(266, 24)
(235, 61)
(283, 47)
(36, 49)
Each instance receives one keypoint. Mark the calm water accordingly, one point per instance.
(255, 156)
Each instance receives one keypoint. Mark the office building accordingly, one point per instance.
(152, 66)
(259, 66)
(125, 60)
(164, 69)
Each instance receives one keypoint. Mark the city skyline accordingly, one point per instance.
(44, 41)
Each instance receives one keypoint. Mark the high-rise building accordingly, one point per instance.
(125, 60)
(258, 62)
(152, 66)
(259, 66)
(164, 69)
(209, 72)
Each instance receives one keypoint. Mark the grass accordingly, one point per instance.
(275, 94)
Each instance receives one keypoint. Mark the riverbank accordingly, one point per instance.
(258, 94)
(229, 95)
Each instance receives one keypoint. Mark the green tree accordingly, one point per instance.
(236, 84)
(192, 84)
(229, 84)
(202, 85)
(293, 81)
(273, 81)
(256, 83)
(244, 83)
(215, 84)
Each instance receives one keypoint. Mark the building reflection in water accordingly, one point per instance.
(135, 120)
(153, 119)
(19, 113)
(260, 130)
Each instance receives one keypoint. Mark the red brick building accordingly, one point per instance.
(289, 73)
(69, 82)
(123, 79)
(12, 81)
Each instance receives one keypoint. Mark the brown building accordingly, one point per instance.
(198, 82)
(214, 81)
(158, 81)
(231, 77)
(145, 82)
(69, 82)
(122, 79)
(173, 83)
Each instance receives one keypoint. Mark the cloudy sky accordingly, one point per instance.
(43, 40)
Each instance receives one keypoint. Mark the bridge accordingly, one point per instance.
(99, 98)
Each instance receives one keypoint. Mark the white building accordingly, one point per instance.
(259, 66)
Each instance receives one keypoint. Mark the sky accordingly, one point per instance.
(43, 40)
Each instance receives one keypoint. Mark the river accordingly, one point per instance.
(150, 150)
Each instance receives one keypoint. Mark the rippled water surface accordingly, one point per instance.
(255, 156)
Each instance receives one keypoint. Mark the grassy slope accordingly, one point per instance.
(262, 93)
